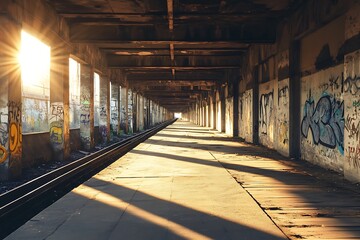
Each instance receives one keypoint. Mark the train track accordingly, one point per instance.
(21, 203)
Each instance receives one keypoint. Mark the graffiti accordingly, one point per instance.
(326, 122)
(14, 137)
(85, 141)
(103, 112)
(4, 129)
(283, 93)
(352, 85)
(85, 98)
(356, 104)
(352, 128)
(85, 108)
(35, 115)
(354, 157)
(333, 84)
(266, 107)
(103, 133)
(14, 112)
(56, 132)
(15, 133)
(3, 154)
(57, 111)
(85, 119)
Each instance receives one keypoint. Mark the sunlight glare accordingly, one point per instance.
(34, 60)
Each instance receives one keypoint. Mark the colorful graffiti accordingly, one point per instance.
(326, 122)
(266, 108)
(15, 130)
(56, 132)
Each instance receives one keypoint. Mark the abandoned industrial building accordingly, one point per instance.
(179, 119)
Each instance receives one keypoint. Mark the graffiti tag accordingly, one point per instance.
(266, 107)
(326, 122)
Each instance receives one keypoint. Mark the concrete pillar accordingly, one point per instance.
(115, 110)
(124, 123)
(213, 112)
(130, 112)
(87, 107)
(148, 115)
(208, 113)
(294, 100)
(255, 106)
(141, 113)
(235, 80)
(104, 120)
(223, 109)
(56, 113)
(64, 65)
(11, 99)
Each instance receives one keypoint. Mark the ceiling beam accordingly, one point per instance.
(179, 61)
(252, 32)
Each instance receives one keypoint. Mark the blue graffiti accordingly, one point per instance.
(326, 122)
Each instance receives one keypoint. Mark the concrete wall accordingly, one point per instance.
(301, 95)
(229, 113)
(47, 125)
(246, 115)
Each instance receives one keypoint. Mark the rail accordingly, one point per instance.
(60, 181)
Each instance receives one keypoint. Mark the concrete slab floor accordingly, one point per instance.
(183, 183)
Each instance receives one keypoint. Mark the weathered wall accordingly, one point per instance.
(281, 132)
(352, 116)
(246, 116)
(310, 51)
(352, 97)
(267, 113)
(322, 119)
(229, 113)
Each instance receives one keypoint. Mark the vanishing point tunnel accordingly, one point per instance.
(257, 86)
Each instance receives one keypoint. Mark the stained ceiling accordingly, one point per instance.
(173, 51)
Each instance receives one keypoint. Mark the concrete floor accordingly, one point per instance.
(189, 182)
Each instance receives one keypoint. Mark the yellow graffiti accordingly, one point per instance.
(3, 154)
(56, 134)
(14, 137)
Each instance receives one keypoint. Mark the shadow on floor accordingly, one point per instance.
(156, 218)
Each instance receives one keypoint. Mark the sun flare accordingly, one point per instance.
(34, 60)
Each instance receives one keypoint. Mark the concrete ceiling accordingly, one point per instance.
(173, 51)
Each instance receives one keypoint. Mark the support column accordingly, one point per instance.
(223, 109)
(104, 120)
(141, 113)
(56, 115)
(213, 111)
(255, 106)
(130, 112)
(115, 110)
(87, 108)
(64, 65)
(124, 122)
(11, 99)
(235, 80)
(294, 100)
